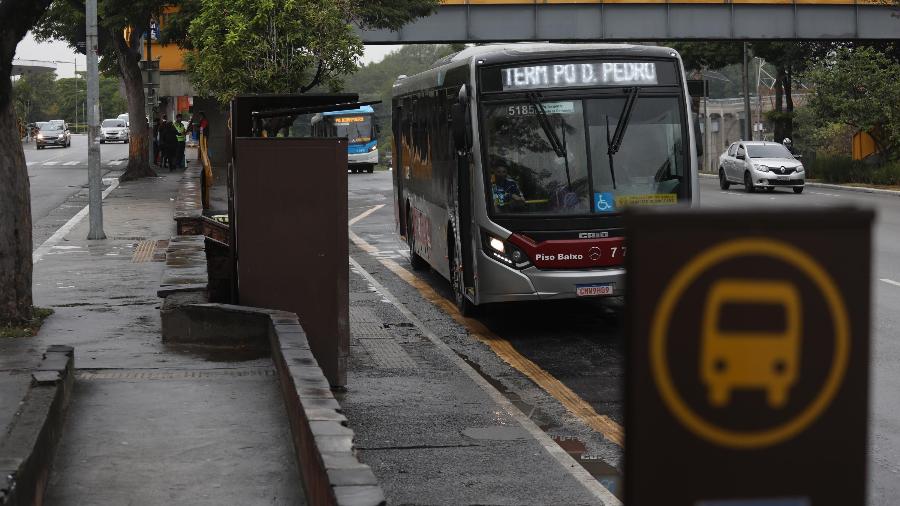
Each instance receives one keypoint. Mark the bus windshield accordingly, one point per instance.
(529, 173)
(357, 129)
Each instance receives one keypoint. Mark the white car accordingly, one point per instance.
(760, 164)
(114, 130)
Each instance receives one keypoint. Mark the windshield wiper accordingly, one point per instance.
(559, 147)
(614, 142)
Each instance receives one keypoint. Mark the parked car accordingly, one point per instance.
(52, 134)
(760, 164)
(114, 130)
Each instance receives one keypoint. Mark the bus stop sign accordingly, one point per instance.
(747, 357)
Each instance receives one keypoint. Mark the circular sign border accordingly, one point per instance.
(658, 337)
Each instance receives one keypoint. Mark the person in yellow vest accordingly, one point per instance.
(180, 135)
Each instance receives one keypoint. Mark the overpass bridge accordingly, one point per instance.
(647, 20)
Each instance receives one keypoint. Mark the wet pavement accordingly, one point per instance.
(580, 343)
(149, 423)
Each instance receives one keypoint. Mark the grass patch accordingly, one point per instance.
(26, 329)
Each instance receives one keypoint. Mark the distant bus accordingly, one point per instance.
(358, 126)
(512, 164)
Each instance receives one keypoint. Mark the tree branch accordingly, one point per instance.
(316, 79)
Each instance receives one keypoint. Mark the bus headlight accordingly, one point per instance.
(505, 252)
(373, 148)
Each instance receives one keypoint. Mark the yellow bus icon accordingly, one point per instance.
(736, 359)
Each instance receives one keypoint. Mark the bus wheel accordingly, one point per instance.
(370, 169)
(415, 261)
(463, 304)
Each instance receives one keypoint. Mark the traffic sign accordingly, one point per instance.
(748, 354)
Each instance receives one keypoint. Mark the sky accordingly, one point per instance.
(66, 59)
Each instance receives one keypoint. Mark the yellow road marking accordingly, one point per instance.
(364, 215)
(504, 349)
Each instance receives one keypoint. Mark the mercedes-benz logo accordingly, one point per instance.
(594, 253)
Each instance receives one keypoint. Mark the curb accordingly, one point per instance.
(27, 449)
(323, 443)
(857, 189)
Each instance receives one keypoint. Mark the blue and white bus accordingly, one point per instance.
(358, 126)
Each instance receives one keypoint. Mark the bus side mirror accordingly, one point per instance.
(459, 122)
(698, 139)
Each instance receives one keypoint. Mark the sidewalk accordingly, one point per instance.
(148, 423)
(434, 431)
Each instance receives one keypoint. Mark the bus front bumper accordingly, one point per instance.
(498, 283)
(370, 158)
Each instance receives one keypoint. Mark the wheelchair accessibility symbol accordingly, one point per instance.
(604, 202)
(737, 355)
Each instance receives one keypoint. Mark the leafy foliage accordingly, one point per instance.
(859, 87)
(38, 97)
(264, 46)
(281, 46)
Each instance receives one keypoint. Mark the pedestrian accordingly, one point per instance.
(181, 131)
(170, 144)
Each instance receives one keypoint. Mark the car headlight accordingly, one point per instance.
(40, 136)
(504, 252)
(800, 168)
(761, 168)
(61, 136)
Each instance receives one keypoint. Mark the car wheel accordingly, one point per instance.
(748, 183)
(125, 141)
(723, 181)
(102, 142)
(415, 261)
(463, 304)
(798, 189)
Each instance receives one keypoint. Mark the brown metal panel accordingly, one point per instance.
(291, 227)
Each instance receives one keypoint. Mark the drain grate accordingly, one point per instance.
(388, 354)
(159, 374)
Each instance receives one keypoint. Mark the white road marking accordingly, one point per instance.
(65, 229)
(364, 215)
(561, 456)
(51, 163)
(29, 164)
(891, 281)
(115, 162)
(71, 163)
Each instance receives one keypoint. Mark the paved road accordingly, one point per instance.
(56, 173)
(576, 347)
(58, 178)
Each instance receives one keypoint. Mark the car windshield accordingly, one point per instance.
(768, 151)
(113, 123)
(50, 126)
(528, 175)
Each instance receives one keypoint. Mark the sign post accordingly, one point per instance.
(747, 374)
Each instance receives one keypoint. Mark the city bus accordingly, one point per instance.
(358, 126)
(513, 162)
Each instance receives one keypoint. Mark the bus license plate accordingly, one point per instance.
(594, 290)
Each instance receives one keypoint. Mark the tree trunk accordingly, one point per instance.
(16, 18)
(15, 223)
(130, 71)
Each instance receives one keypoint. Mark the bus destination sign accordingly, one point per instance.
(567, 75)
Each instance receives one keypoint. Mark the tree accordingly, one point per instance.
(287, 46)
(121, 23)
(859, 87)
(16, 18)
